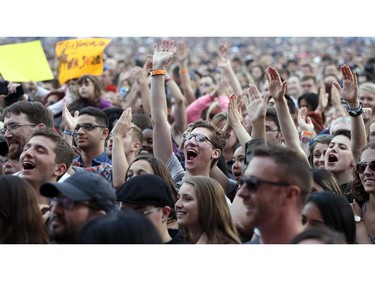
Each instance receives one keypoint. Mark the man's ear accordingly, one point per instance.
(60, 170)
(136, 146)
(216, 153)
(105, 133)
(41, 125)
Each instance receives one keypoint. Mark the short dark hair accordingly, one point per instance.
(35, 111)
(100, 117)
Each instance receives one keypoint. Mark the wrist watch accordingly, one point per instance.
(357, 218)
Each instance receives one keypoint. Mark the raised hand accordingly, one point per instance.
(234, 111)
(164, 54)
(256, 106)
(304, 122)
(124, 124)
(349, 91)
(277, 89)
(69, 120)
(181, 52)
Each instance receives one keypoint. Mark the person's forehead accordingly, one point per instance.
(261, 166)
(43, 142)
(201, 130)
(85, 118)
(341, 139)
(15, 118)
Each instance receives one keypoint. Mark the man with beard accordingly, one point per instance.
(80, 198)
(20, 120)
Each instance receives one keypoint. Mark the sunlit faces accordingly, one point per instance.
(264, 205)
(187, 206)
(319, 155)
(311, 215)
(87, 139)
(147, 146)
(11, 166)
(238, 162)
(273, 134)
(294, 86)
(339, 157)
(206, 84)
(199, 155)
(87, 90)
(38, 161)
(367, 99)
(139, 167)
(368, 176)
(18, 137)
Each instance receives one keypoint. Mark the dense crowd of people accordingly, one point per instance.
(194, 141)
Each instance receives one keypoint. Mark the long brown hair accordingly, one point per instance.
(20, 217)
(214, 214)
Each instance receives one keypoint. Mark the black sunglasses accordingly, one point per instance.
(253, 183)
(361, 166)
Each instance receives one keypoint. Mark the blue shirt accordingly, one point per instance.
(103, 157)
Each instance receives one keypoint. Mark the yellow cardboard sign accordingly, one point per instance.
(80, 56)
(24, 62)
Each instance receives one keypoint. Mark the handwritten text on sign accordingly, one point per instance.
(80, 56)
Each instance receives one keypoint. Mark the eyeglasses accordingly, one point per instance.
(268, 129)
(198, 137)
(253, 183)
(145, 212)
(87, 127)
(361, 166)
(13, 127)
(67, 203)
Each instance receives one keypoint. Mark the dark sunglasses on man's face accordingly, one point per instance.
(361, 166)
(252, 183)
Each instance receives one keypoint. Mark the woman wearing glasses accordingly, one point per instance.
(364, 193)
(203, 212)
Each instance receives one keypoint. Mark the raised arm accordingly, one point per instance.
(234, 118)
(349, 92)
(180, 122)
(277, 90)
(161, 128)
(225, 65)
(119, 163)
(187, 88)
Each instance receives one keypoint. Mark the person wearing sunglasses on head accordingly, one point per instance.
(80, 198)
(363, 190)
(274, 190)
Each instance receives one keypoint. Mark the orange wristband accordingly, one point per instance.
(157, 72)
(184, 71)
